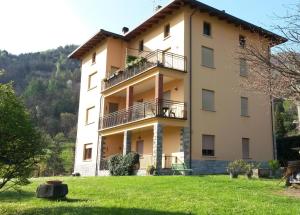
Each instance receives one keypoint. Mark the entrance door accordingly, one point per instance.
(113, 107)
(140, 147)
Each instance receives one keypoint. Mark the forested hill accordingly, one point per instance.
(49, 82)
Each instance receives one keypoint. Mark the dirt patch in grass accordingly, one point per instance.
(291, 192)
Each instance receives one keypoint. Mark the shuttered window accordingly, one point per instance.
(208, 145)
(90, 115)
(244, 106)
(243, 67)
(208, 100)
(87, 151)
(245, 148)
(207, 57)
(92, 82)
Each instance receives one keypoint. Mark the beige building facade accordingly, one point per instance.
(170, 90)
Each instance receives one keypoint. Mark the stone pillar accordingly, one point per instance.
(157, 145)
(102, 145)
(127, 142)
(185, 145)
(159, 92)
(129, 97)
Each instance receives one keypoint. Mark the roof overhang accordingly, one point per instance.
(194, 4)
(275, 39)
(92, 42)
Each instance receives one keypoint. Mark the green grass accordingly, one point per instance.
(155, 195)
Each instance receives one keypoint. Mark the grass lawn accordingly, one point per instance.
(156, 195)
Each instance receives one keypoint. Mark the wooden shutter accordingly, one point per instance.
(207, 57)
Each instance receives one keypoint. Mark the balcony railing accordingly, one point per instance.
(156, 58)
(144, 110)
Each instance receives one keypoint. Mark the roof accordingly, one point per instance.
(92, 42)
(169, 9)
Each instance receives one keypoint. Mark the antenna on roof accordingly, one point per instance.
(155, 5)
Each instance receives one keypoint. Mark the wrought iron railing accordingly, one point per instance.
(143, 110)
(155, 58)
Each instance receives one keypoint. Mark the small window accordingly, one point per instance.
(94, 57)
(242, 41)
(90, 115)
(206, 29)
(243, 67)
(208, 145)
(92, 82)
(244, 106)
(208, 100)
(245, 148)
(207, 57)
(141, 46)
(87, 151)
(167, 30)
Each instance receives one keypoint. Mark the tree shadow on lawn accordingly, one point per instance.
(13, 196)
(97, 211)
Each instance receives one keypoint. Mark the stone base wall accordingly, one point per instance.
(85, 169)
(202, 167)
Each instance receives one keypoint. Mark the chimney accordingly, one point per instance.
(125, 30)
(158, 7)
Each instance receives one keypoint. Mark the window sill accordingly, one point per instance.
(92, 88)
(246, 116)
(244, 76)
(89, 123)
(209, 157)
(209, 67)
(88, 160)
(167, 37)
(212, 111)
(207, 36)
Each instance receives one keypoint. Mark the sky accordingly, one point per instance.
(38, 25)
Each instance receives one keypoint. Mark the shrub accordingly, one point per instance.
(274, 166)
(150, 170)
(236, 167)
(120, 165)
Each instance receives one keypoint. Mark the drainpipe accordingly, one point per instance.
(273, 129)
(97, 155)
(190, 82)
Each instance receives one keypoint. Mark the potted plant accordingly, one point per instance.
(236, 167)
(150, 170)
(249, 170)
(274, 166)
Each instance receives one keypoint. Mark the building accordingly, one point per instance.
(170, 90)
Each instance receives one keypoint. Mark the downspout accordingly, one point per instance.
(273, 129)
(190, 88)
(97, 155)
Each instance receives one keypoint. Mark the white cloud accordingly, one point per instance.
(36, 25)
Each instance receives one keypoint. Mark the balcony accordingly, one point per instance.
(144, 110)
(156, 58)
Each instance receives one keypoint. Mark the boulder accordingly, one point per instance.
(52, 191)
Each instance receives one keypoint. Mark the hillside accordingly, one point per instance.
(49, 84)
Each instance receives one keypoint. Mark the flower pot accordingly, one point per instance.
(234, 175)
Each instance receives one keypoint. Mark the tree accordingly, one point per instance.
(21, 145)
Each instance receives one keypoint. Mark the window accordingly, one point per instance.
(208, 100)
(207, 57)
(245, 148)
(87, 151)
(94, 57)
(242, 41)
(167, 30)
(90, 115)
(244, 106)
(208, 145)
(243, 67)
(92, 82)
(141, 46)
(206, 29)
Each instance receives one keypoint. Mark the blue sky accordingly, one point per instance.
(37, 25)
